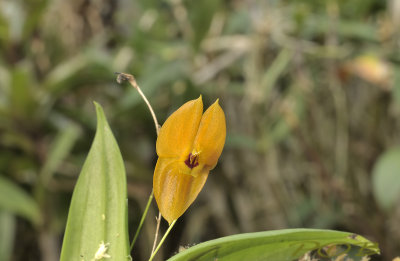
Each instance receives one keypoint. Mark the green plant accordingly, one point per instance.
(97, 219)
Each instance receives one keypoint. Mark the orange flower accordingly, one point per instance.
(188, 146)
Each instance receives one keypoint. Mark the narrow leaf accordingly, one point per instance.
(59, 150)
(97, 219)
(7, 235)
(279, 245)
(385, 179)
(15, 200)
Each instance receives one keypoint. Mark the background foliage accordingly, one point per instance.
(311, 92)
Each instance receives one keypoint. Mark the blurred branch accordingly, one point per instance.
(210, 70)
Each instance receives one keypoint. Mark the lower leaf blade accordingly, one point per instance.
(279, 245)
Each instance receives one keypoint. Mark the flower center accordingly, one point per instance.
(192, 160)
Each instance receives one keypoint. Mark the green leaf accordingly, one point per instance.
(98, 213)
(396, 86)
(286, 244)
(386, 178)
(17, 201)
(59, 150)
(275, 71)
(7, 235)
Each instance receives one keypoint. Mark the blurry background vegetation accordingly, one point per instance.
(311, 92)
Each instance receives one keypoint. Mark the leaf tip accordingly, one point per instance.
(97, 106)
(99, 113)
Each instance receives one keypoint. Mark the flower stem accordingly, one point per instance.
(142, 219)
(162, 240)
(157, 230)
(121, 77)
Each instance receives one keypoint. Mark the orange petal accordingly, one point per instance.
(178, 132)
(210, 138)
(174, 189)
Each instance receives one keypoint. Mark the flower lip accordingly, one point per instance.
(192, 160)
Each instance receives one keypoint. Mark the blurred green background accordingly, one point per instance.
(311, 92)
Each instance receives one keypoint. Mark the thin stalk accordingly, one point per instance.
(157, 230)
(129, 77)
(121, 77)
(142, 220)
(162, 240)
